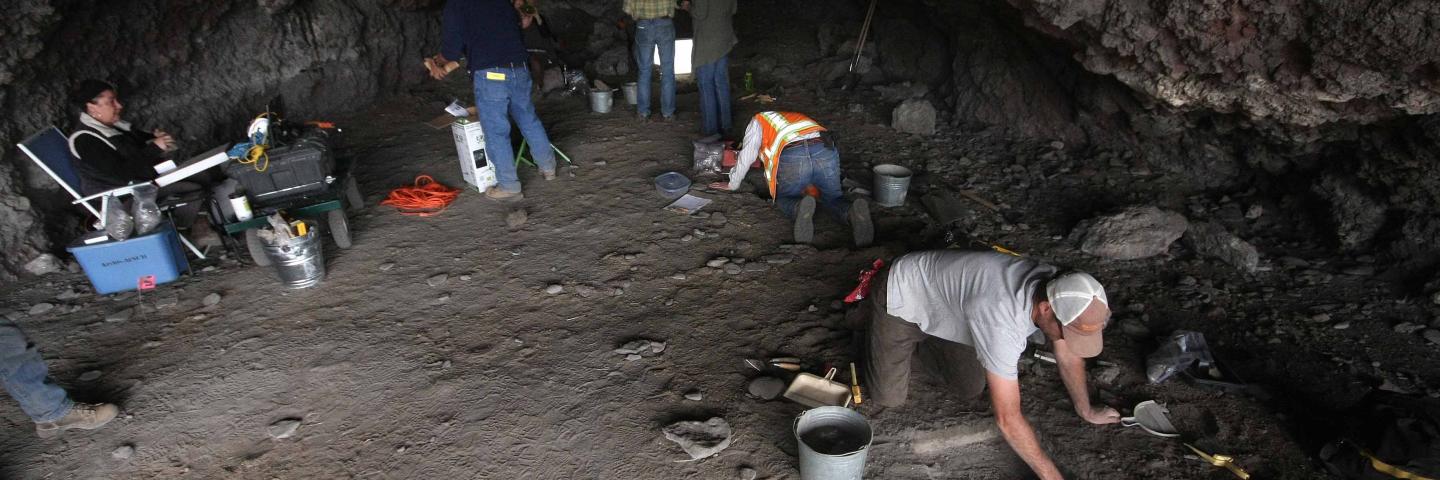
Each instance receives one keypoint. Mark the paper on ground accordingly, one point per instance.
(688, 204)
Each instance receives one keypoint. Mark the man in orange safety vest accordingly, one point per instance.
(795, 154)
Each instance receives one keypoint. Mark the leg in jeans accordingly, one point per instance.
(722, 93)
(27, 378)
(826, 178)
(644, 49)
(665, 39)
(889, 344)
(793, 177)
(492, 103)
(709, 101)
(523, 111)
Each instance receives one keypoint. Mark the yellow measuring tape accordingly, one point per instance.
(1388, 469)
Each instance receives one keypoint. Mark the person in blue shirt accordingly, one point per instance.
(486, 33)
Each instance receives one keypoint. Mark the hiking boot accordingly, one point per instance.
(668, 118)
(642, 118)
(860, 224)
(84, 416)
(501, 195)
(550, 175)
(805, 220)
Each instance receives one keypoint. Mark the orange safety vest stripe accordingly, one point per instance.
(778, 129)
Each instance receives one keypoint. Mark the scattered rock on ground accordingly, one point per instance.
(90, 376)
(41, 308)
(694, 395)
(284, 428)
(121, 315)
(516, 218)
(1212, 240)
(717, 219)
(585, 291)
(1432, 335)
(778, 258)
(211, 300)
(914, 116)
(385, 267)
(1135, 233)
(717, 262)
(438, 279)
(700, 439)
(123, 452)
(68, 294)
(641, 347)
(1408, 328)
(554, 289)
(766, 387)
(747, 473)
(44, 264)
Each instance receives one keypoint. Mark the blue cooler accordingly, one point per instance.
(119, 266)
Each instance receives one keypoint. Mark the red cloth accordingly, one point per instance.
(863, 289)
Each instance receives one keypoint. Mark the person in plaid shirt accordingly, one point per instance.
(654, 28)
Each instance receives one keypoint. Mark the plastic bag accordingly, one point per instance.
(118, 223)
(144, 208)
(1181, 350)
(575, 82)
(709, 152)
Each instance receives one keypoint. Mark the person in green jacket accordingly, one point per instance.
(714, 37)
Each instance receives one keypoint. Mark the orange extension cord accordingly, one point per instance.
(425, 199)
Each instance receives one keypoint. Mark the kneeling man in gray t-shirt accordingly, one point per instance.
(982, 306)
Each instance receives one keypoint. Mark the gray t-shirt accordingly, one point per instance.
(981, 299)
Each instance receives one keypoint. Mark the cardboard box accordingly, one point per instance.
(470, 147)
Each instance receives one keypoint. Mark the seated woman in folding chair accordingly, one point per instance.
(112, 155)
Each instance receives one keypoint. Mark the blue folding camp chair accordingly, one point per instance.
(51, 151)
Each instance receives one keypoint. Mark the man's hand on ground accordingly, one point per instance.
(725, 186)
(1101, 416)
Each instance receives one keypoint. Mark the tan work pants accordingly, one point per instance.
(890, 345)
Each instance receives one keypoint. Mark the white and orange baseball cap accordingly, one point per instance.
(1079, 303)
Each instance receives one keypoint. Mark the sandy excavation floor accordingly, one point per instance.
(485, 375)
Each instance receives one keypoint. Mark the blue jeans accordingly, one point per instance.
(714, 80)
(499, 99)
(28, 379)
(649, 34)
(805, 165)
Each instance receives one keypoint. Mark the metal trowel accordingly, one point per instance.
(1153, 418)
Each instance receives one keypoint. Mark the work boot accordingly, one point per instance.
(84, 416)
(642, 118)
(504, 196)
(548, 175)
(805, 220)
(860, 224)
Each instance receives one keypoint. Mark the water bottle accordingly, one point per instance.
(749, 82)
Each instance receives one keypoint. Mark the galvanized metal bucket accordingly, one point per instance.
(601, 100)
(891, 183)
(300, 262)
(632, 92)
(834, 442)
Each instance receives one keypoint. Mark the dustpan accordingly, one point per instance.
(1153, 418)
(815, 391)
